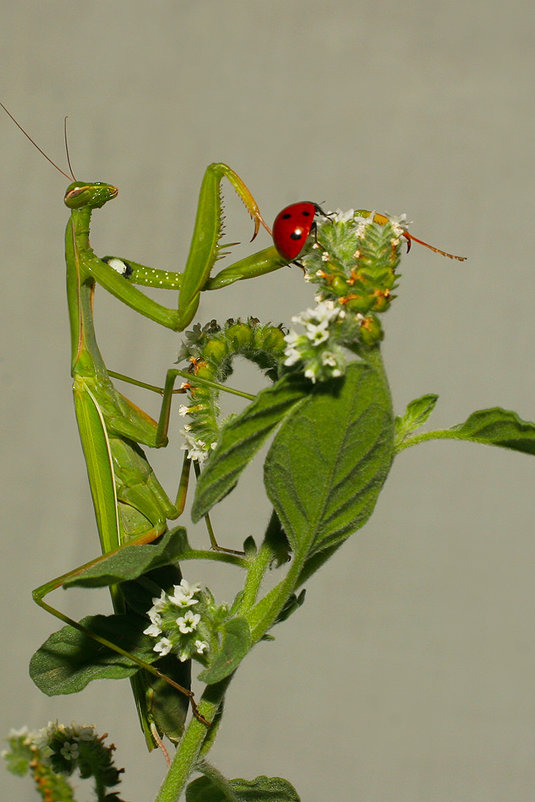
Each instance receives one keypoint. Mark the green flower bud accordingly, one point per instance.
(214, 350)
(239, 334)
(371, 330)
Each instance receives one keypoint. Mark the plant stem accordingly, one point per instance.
(440, 434)
(187, 754)
(255, 575)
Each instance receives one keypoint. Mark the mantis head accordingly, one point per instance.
(80, 194)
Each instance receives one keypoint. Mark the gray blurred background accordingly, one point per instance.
(408, 675)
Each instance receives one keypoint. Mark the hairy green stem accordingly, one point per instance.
(187, 754)
(439, 434)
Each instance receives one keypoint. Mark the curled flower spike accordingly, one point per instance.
(52, 754)
(210, 352)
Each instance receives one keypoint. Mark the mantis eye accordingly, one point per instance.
(119, 265)
(76, 196)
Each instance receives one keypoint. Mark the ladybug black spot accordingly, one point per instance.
(305, 214)
(286, 216)
(296, 234)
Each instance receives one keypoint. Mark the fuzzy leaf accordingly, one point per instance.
(330, 459)
(132, 561)
(236, 643)
(69, 659)
(261, 789)
(416, 414)
(497, 427)
(241, 439)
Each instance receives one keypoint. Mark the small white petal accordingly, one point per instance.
(154, 616)
(159, 602)
(163, 646)
(153, 630)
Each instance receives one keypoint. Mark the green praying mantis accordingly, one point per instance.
(131, 506)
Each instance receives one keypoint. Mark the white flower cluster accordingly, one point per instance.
(178, 633)
(317, 349)
(69, 737)
(197, 449)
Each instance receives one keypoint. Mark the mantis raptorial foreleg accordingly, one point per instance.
(119, 276)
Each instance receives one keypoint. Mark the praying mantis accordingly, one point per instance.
(131, 506)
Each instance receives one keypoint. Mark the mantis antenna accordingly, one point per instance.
(66, 138)
(41, 151)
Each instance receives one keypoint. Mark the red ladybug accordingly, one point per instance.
(293, 226)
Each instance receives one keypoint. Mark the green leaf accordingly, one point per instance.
(291, 604)
(497, 427)
(416, 414)
(241, 439)
(69, 659)
(236, 642)
(261, 789)
(167, 706)
(330, 459)
(132, 561)
(493, 427)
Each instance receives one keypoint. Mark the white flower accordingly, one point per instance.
(188, 622)
(163, 646)
(339, 216)
(70, 751)
(183, 410)
(155, 616)
(363, 223)
(328, 358)
(325, 311)
(311, 372)
(399, 223)
(200, 646)
(183, 656)
(292, 352)
(183, 594)
(85, 733)
(317, 333)
(197, 449)
(159, 603)
(153, 630)
(292, 356)
(292, 338)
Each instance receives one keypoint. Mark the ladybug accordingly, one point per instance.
(292, 227)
